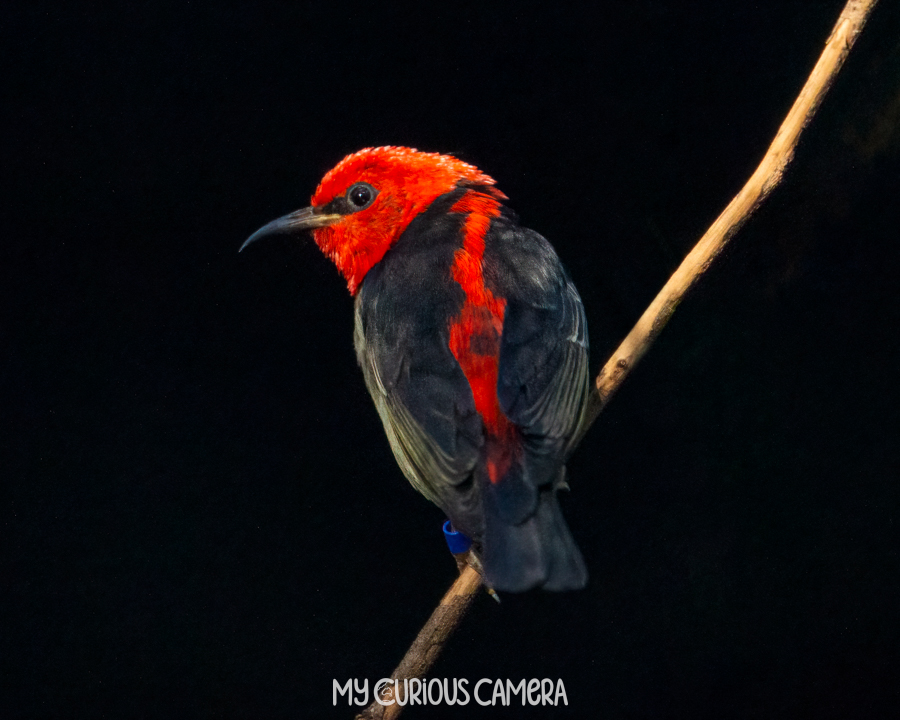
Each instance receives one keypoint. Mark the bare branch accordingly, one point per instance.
(428, 644)
(766, 177)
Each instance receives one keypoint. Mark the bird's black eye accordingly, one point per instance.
(361, 196)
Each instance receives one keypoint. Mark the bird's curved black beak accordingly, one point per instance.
(304, 219)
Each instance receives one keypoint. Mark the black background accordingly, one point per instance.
(201, 514)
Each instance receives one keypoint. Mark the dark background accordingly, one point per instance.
(201, 516)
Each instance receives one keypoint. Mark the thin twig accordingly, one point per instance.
(430, 641)
(767, 176)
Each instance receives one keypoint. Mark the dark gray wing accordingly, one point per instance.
(543, 374)
(421, 395)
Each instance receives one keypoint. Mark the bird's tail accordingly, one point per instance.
(538, 552)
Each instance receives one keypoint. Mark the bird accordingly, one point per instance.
(473, 344)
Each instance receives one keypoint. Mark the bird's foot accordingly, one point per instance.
(461, 547)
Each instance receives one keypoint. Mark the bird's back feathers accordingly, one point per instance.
(442, 440)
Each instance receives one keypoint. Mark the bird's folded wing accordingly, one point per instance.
(435, 435)
(543, 371)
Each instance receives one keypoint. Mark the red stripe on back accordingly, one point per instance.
(475, 331)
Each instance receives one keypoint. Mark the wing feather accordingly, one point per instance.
(543, 376)
(435, 436)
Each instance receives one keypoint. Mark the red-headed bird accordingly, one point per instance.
(473, 343)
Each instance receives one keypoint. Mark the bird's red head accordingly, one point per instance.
(367, 200)
(375, 193)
